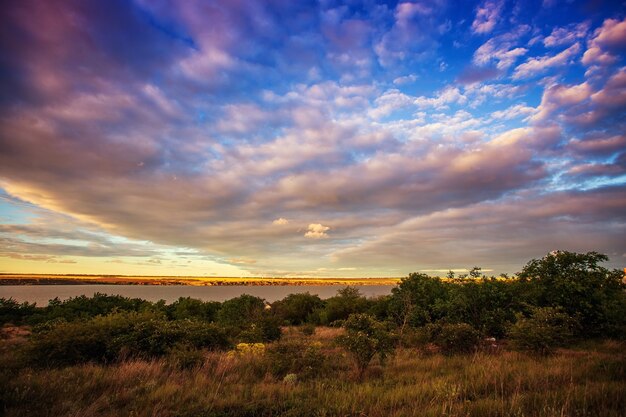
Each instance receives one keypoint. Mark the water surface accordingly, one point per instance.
(41, 294)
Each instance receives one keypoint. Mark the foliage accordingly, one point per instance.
(185, 356)
(348, 300)
(305, 360)
(489, 305)
(589, 382)
(296, 309)
(546, 329)
(190, 308)
(248, 349)
(454, 337)
(239, 311)
(417, 300)
(366, 337)
(308, 329)
(13, 312)
(576, 283)
(264, 328)
(105, 338)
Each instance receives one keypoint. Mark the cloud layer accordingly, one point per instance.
(284, 137)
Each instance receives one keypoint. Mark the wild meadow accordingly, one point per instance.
(548, 342)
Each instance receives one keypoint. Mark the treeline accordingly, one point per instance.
(553, 301)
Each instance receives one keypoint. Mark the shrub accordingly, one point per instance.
(308, 329)
(296, 357)
(366, 337)
(296, 309)
(347, 301)
(191, 308)
(184, 356)
(577, 284)
(417, 300)
(156, 337)
(454, 338)
(240, 311)
(13, 312)
(546, 329)
(105, 338)
(263, 329)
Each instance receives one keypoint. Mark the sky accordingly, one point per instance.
(309, 138)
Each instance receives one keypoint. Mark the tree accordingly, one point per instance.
(348, 300)
(296, 309)
(416, 300)
(240, 311)
(576, 283)
(365, 338)
(546, 329)
(187, 308)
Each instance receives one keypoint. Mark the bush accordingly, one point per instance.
(417, 300)
(263, 329)
(296, 357)
(308, 329)
(577, 284)
(296, 309)
(106, 338)
(191, 308)
(547, 329)
(240, 311)
(347, 301)
(155, 338)
(454, 337)
(184, 356)
(366, 337)
(13, 312)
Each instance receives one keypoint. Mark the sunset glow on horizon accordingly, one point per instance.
(309, 138)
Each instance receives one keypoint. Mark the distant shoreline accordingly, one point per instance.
(75, 279)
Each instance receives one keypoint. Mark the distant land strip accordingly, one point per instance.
(52, 279)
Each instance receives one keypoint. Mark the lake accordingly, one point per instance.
(40, 294)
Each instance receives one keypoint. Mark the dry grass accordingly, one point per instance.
(589, 381)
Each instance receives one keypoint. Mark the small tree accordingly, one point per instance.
(547, 329)
(577, 284)
(365, 338)
(296, 309)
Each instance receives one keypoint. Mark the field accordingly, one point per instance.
(589, 380)
(51, 279)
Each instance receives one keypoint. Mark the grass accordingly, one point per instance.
(587, 381)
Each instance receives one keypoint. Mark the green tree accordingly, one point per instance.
(348, 300)
(296, 309)
(546, 329)
(365, 338)
(489, 305)
(582, 288)
(416, 301)
(241, 311)
(191, 308)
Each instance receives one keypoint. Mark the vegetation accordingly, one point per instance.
(543, 343)
(364, 338)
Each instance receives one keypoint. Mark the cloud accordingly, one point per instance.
(559, 96)
(501, 49)
(447, 96)
(317, 231)
(472, 74)
(164, 136)
(566, 35)
(535, 66)
(608, 40)
(242, 261)
(487, 16)
(517, 110)
(473, 233)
